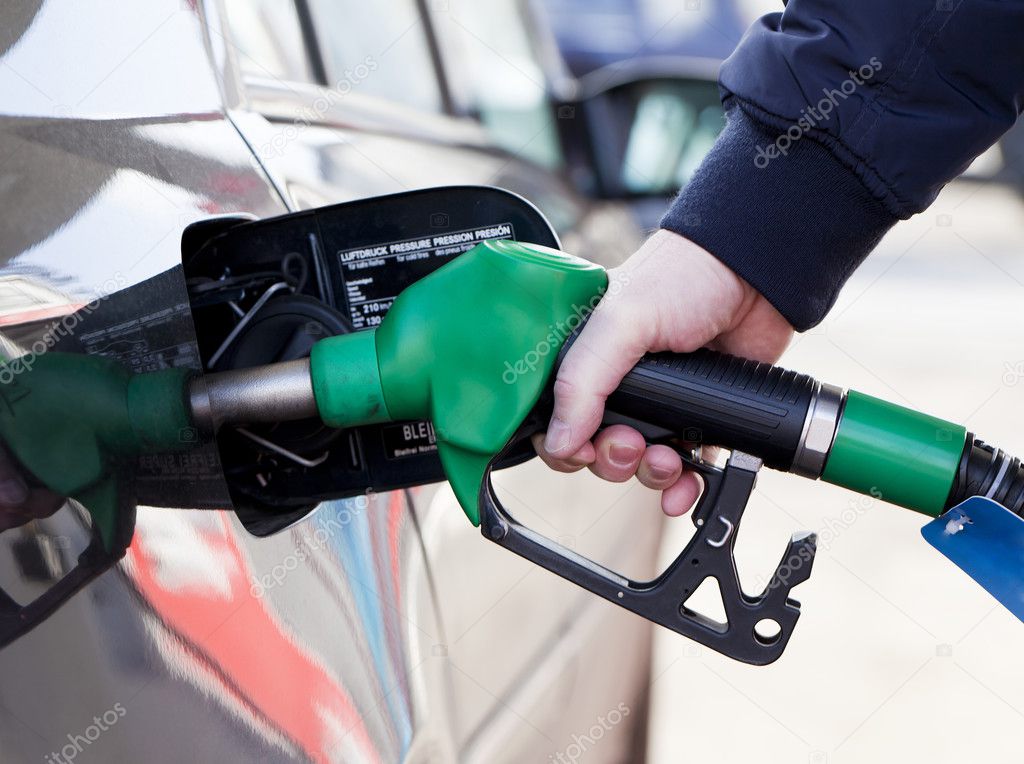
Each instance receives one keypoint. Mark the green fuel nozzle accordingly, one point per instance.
(73, 421)
(473, 347)
(470, 347)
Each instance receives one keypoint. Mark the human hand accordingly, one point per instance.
(669, 295)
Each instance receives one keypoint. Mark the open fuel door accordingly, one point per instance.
(97, 402)
(69, 430)
(264, 291)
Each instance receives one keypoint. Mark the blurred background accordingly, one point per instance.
(898, 656)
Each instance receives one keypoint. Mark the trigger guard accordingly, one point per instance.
(709, 553)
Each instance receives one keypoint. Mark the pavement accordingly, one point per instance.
(898, 656)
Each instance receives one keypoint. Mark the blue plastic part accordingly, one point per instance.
(986, 541)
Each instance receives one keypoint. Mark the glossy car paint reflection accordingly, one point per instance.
(499, 672)
(103, 165)
(372, 639)
(199, 580)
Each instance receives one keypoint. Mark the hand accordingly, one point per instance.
(669, 295)
(19, 501)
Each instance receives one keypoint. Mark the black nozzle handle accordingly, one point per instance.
(717, 399)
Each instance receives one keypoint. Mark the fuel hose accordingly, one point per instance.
(796, 424)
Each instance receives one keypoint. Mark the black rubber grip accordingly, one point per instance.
(717, 399)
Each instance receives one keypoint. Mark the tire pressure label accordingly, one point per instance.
(148, 327)
(148, 342)
(375, 274)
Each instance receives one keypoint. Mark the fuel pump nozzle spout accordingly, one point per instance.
(280, 392)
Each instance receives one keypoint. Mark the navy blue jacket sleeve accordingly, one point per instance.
(844, 117)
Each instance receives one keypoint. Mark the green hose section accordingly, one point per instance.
(895, 454)
(159, 412)
(346, 380)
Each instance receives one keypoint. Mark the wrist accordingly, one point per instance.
(724, 296)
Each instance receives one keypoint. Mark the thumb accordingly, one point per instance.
(607, 348)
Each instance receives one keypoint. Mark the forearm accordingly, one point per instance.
(844, 118)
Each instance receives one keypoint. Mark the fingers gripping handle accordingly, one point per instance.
(756, 410)
(717, 399)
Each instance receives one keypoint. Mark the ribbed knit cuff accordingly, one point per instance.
(794, 225)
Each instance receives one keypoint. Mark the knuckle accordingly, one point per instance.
(657, 478)
(566, 467)
(611, 474)
(565, 388)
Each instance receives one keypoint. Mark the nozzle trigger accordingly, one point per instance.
(709, 554)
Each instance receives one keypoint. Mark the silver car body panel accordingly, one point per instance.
(377, 629)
